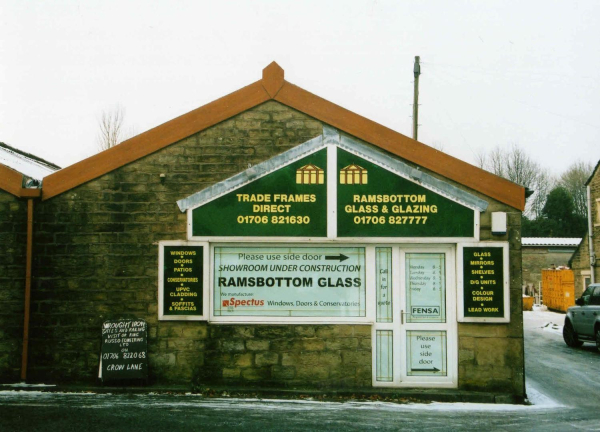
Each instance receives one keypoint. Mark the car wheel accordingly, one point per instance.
(598, 338)
(570, 336)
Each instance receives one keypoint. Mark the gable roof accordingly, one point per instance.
(593, 173)
(273, 86)
(332, 136)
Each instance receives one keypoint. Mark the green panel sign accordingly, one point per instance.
(373, 202)
(183, 280)
(290, 202)
(483, 269)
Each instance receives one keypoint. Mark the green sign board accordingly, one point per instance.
(483, 276)
(182, 280)
(374, 202)
(290, 202)
(289, 282)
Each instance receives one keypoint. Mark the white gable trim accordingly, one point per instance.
(332, 137)
(251, 174)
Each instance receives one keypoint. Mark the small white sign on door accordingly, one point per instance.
(426, 287)
(426, 353)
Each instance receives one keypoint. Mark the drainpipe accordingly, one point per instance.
(27, 288)
(591, 234)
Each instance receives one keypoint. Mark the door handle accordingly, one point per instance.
(402, 313)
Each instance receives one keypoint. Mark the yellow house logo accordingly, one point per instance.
(353, 174)
(310, 174)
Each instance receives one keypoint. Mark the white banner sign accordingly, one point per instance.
(289, 281)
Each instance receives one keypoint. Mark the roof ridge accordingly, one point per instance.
(273, 86)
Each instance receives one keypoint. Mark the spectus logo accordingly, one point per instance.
(233, 302)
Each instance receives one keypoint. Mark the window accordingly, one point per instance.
(587, 294)
(596, 296)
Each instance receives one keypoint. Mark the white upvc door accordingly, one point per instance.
(415, 330)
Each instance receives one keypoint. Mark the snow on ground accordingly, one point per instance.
(542, 318)
(539, 318)
(25, 385)
(149, 401)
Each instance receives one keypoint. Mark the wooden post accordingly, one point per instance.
(27, 289)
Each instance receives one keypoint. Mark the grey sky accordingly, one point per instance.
(494, 73)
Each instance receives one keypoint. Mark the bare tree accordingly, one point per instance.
(438, 145)
(544, 183)
(481, 159)
(112, 130)
(497, 162)
(573, 180)
(515, 165)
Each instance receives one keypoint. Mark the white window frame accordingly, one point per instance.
(205, 281)
(461, 288)
(368, 319)
(586, 274)
(400, 378)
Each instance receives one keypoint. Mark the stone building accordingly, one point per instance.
(409, 277)
(540, 253)
(20, 177)
(584, 261)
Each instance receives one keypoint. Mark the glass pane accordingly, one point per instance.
(383, 268)
(426, 353)
(425, 287)
(385, 356)
(289, 281)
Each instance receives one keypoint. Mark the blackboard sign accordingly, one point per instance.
(483, 276)
(182, 280)
(124, 350)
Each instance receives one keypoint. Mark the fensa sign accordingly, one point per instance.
(289, 282)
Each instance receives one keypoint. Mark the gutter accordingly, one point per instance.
(590, 234)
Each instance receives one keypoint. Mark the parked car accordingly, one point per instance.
(582, 322)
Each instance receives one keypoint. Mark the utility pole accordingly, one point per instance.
(417, 71)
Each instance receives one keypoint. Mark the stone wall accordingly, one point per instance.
(538, 258)
(580, 262)
(491, 356)
(96, 254)
(13, 236)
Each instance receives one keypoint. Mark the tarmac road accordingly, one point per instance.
(569, 379)
(568, 375)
